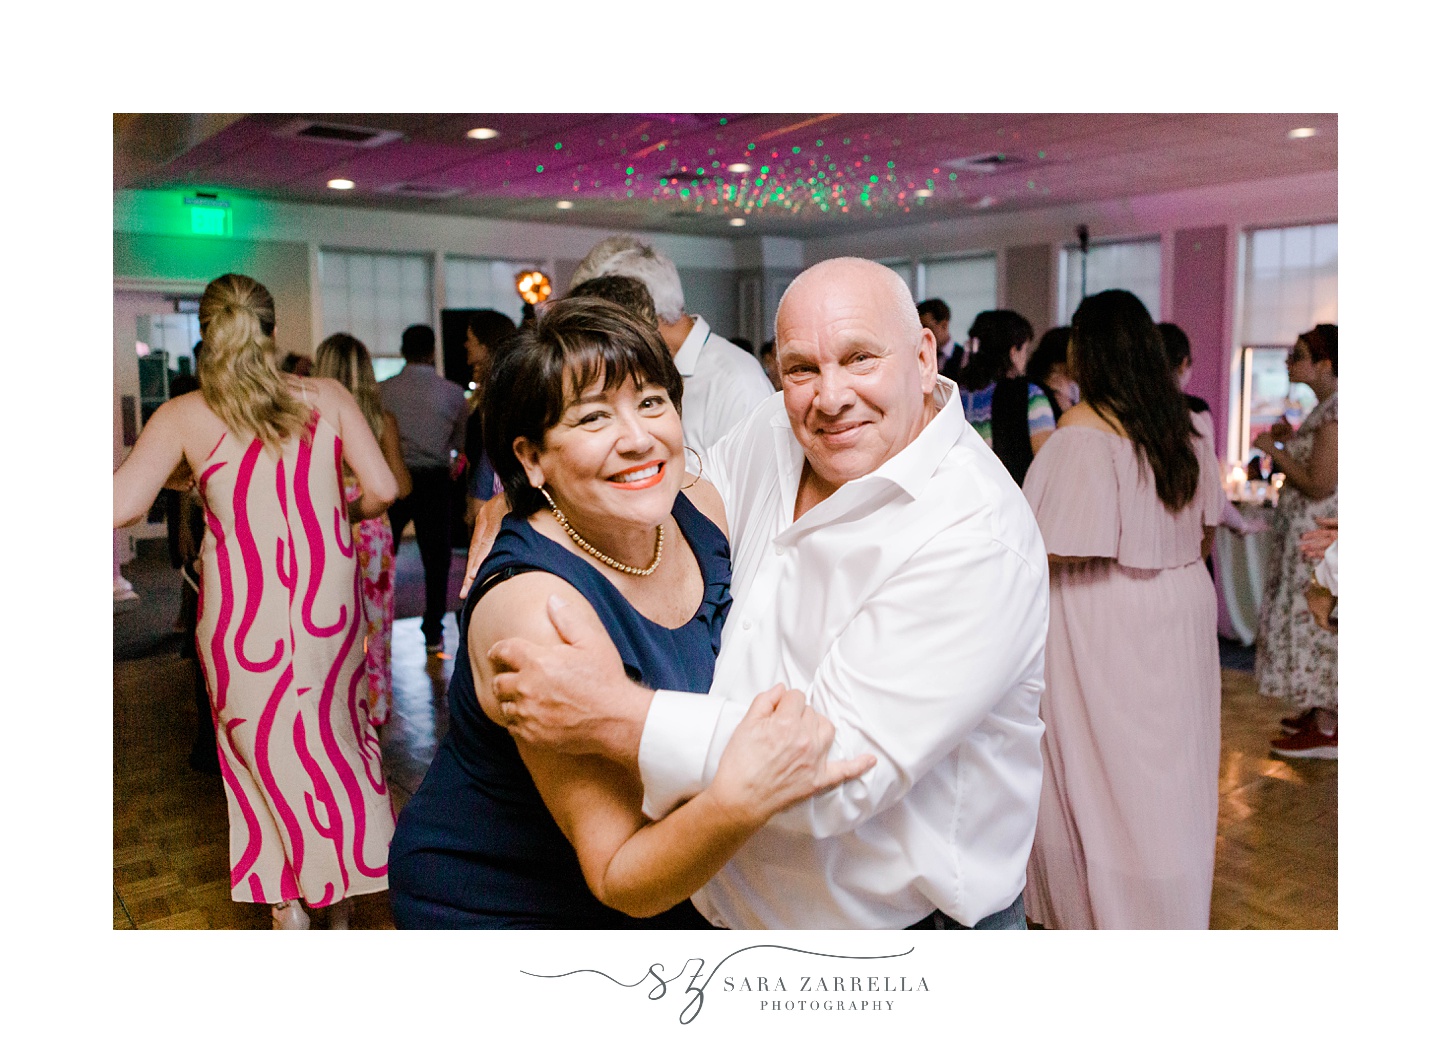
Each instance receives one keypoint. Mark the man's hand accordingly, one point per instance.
(574, 698)
(486, 530)
(777, 757)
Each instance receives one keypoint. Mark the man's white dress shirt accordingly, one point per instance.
(911, 606)
(722, 384)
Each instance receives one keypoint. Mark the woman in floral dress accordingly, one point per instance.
(1295, 659)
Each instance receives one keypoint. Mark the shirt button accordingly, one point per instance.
(780, 551)
(746, 625)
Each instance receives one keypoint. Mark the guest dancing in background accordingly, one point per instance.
(344, 358)
(1295, 659)
(485, 333)
(1126, 495)
(1011, 413)
(280, 633)
(1048, 368)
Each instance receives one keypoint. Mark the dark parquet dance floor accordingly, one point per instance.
(1276, 864)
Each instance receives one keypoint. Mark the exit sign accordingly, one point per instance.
(209, 215)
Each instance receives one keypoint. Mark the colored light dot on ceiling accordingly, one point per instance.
(644, 137)
(891, 165)
(796, 150)
(628, 180)
(951, 177)
(1031, 185)
(629, 170)
(539, 169)
(663, 182)
(751, 147)
(558, 145)
(765, 170)
(722, 121)
(1042, 154)
(874, 179)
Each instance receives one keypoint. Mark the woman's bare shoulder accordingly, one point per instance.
(707, 500)
(517, 607)
(1084, 415)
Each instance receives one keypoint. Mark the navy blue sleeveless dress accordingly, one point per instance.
(476, 846)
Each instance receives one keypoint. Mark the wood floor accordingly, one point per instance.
(1276, 862)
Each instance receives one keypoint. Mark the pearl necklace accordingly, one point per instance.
(585, 546)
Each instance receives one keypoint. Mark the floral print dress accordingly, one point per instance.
(373, 540)
(1295, 659)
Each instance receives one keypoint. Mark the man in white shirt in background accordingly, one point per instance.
(722, 383)
(886, 565)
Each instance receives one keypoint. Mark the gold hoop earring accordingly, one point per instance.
(699, 468)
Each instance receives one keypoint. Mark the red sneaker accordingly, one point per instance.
(1310, 742)
(1300, 723)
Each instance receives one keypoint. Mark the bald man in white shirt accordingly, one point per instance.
(886, 565)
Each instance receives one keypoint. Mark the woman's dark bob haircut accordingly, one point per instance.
(549, 365)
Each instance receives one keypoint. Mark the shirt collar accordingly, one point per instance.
(689, 353)
(910, 469)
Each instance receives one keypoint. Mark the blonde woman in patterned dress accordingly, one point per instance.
(1295, 659)
(280, 634)
(344, 358)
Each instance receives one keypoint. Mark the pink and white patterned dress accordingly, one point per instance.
(373, 540)
(280, 640)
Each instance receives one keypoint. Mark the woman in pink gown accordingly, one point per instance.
(1126, 494)
(344, 358)
(279, 633)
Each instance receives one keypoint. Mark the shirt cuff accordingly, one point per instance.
(674, 748)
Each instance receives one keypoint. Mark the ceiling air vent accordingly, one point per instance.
(985, 163)
(337, 134)
(413, 191)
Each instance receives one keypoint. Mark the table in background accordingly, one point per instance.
(1239, 571)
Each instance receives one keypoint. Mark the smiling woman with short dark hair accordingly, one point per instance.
(582, 424)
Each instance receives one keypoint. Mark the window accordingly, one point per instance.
(1132, 266)
(375, 297)
(1290, 284)
(968, 284)
(473, 283)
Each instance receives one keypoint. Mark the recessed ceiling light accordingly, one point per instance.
(483, 133)
(739, 168)
(564, 204)
(922, 193)
(342, 184)
(736, 222)
(985, 202)
(1302, 132)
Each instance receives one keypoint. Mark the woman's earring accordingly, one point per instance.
(699, 468)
